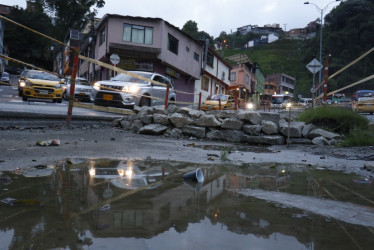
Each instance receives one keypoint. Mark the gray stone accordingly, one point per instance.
(369, 166)
(136, 125)
(176, 133)
(295, 128)
(172, 109)
(223, 113)
(233, 135)
(198, 132)
(252, 117)
(306, 129)
(179, 120)
(159, 109)
(147, 119)
(195, 114)
(153, 129)
(320, 132)
(207, 121)
(215, 134)
(126, 124)
(161, 119)
(269, 127)
(270, 116)
(184, 111)
(304, 141)
(264, 139)
(320, 141)
(231, 123)
(252, 129)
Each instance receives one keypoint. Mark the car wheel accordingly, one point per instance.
(24, 98)
(145, 102)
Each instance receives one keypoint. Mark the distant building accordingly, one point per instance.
(302, 33)
(285, 84)
(4, 10)
(265, 39)
(215, 78)
(269, 28)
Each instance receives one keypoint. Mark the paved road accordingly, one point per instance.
(15, 111)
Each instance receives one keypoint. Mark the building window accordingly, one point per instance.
(233, 76)
(246, 79)
(196, 56)
(173, 44)
(102, 37)
(210, 59)
(205, 83)
(137, 34)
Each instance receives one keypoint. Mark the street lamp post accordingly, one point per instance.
(320, 36)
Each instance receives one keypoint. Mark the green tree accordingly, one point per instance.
(190, 27)
(25, 45)
(69, 14)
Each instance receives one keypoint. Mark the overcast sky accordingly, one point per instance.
(214, 16)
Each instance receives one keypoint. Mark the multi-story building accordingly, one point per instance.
(242, 76)
(285, 83)
(4, 10)
(215, 78)
(149, 44)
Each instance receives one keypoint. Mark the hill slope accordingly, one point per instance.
(282, 56)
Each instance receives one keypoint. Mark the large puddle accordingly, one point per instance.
(133, 204)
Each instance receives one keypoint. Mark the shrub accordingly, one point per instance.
(335, 119)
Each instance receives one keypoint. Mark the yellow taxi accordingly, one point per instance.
(42, 85)
(364, 105)
(212, 103)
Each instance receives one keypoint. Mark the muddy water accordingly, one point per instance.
(130, 204)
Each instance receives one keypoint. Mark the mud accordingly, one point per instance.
(19, 148)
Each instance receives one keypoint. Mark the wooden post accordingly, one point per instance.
(72, 86)
(199, 101)
(167, 97)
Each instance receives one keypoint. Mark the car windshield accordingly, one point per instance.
(127, 78)
(42, 76)
(80, 82)
(277, 100)
(219, 97)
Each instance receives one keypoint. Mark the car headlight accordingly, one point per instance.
(58, 86)
(289, 105)
(131, 89)
(250, 105)
(96, 86)
(22, 83)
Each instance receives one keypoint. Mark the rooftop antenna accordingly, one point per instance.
(285, 27)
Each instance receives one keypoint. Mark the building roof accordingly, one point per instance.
(5, 9)
(239, 58)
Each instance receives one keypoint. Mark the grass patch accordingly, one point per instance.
(356, 128)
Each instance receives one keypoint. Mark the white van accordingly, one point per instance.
(305, 102)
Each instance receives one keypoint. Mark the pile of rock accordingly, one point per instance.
(251, 127)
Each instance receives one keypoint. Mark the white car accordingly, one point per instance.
(126, 91)
(83, 90)
(5, 77)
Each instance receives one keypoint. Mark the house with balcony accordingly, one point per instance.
(281, 84)
(243, 80)
(149, 44)
(215, 77)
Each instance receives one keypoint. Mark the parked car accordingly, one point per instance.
(5, 77)
(82, 90)
(127, 91)
(21, 82)
(42, 85)
(212, 103)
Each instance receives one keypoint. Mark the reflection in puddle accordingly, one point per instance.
(98, 204)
